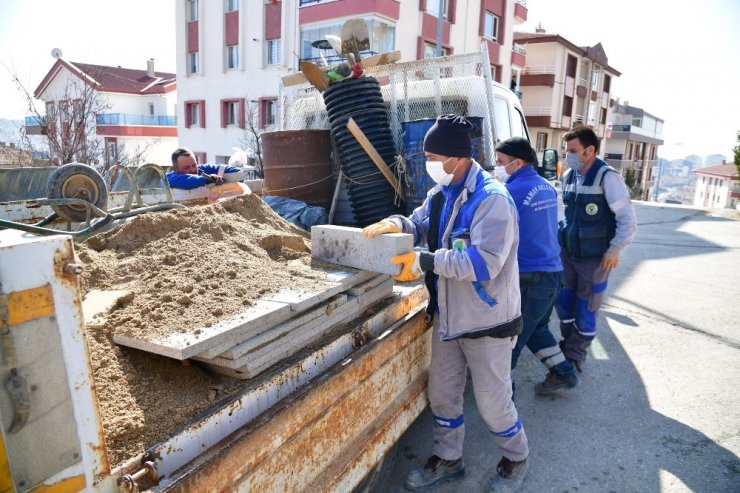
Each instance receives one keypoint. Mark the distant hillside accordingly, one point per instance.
(10, 133)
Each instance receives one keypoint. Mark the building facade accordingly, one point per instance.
(231, 55)
(632, 144)
(124, 115)
(563, 86)
(717, 187)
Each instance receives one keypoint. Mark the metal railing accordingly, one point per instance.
(31, 121)
(537, 110)
(539, 70)
(518, 48)
(582, 82)
(125, 119)
(523, 3)
(621, 128)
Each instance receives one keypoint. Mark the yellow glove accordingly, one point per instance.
(381, 227)
(411, 269)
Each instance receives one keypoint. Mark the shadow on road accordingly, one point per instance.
(617, 431)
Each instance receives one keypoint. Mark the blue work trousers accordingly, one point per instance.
(539, 290)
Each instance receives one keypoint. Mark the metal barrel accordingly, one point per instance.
(297, 164)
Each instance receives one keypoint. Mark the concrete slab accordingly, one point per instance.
(347, 246)
(313, 316)
(266, 313)
(368, 285)
(254, 362)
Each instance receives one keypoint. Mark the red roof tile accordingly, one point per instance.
(114, 79)
(726, 170)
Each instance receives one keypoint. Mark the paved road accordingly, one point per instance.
(658, 407)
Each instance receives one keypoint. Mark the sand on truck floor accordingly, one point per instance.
(183, 270)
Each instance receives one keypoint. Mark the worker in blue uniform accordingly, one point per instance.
(468, 222)
(600, 222)
(540, 267)
(187, 174)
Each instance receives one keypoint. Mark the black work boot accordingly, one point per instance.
(554, 382)
(509, 476)
(435, 471)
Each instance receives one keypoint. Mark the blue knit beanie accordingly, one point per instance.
(450, 136)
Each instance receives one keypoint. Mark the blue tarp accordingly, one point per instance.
(299, 213)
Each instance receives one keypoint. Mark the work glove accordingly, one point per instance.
(382, 227)
(411, 269)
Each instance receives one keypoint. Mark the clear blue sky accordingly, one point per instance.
(679, 59)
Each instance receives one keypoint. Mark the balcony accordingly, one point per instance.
(520, 11)
(34, 125)
(139, 120)
(538, 75)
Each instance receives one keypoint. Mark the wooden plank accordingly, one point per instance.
(357, 132)
(371, 61)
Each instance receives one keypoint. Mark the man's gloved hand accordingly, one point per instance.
(382, 227)
(212, 179)
(411, 269)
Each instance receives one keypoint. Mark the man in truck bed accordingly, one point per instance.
(187, 174)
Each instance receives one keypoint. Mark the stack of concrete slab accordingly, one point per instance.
(286, 322)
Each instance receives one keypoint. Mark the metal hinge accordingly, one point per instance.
(141, 480)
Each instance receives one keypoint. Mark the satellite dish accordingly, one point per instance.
(56, 53)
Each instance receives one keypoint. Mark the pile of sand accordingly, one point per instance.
(184, 269)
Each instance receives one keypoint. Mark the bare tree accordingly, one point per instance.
(135, 156)
(70, 124)
(251, 136)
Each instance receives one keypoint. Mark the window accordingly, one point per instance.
(195, 113)
(232, 5)
(592, 113)
(274, 51)
(637, 121)
(501, 118)
(51, 113)
(64, 111)
(541, 141)
(193, 63)
(192, 7)
(433, 8)
(607, 83)
(111, 151)
(430, 50)
(570, 68)
(595, 79)
(232, 113)
(490, 29)
(232, 56)
(151, 108)
(567, 105)
(602, 119)
(269, 112)
(519, 128)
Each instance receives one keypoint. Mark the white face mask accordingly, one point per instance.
(500, 173)
(436, 171)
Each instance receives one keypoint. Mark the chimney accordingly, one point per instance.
(150, 67)
(540, 29)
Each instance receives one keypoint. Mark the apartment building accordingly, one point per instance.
(232, 54)
(632, 144)
(717, 187)
(563, 86)
(127, 115)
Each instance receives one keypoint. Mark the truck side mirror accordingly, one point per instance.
(549, 168)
